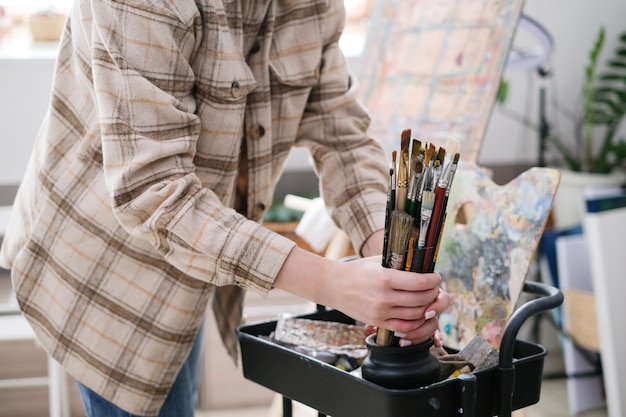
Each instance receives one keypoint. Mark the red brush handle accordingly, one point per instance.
(435, 220)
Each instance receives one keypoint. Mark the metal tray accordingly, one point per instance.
(514, 384)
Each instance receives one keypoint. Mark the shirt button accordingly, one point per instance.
(256, 132)
(235, 89)
(256, 47)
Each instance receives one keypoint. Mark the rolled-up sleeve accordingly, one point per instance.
(352, 166)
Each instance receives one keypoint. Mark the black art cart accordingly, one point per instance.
(514, 384)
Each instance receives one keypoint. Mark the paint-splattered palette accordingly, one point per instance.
(489, 240)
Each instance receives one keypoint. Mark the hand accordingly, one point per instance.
(406, 303)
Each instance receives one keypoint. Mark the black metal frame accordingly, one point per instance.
(486, 393)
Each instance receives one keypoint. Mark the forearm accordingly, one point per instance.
(306, 274)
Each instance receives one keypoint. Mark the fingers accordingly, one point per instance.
(406, 291)
(442, 301)
(427, 326)
(421, 334)
(411, 281)
(413, 306)
(437, 341)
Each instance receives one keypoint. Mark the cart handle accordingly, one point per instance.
(550, 298)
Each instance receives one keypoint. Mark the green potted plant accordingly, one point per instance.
(597, 155)
(599, 148)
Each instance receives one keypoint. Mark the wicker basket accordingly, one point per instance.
(46, 27)
(579, 309)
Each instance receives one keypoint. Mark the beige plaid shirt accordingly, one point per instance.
(124, 223)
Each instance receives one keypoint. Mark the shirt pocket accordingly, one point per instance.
(296, 54)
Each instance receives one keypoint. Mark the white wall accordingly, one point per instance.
(24, 90)
(573, 26)
(25, 87)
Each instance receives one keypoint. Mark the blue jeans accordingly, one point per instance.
(180, 402)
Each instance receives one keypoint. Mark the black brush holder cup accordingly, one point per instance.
(397, 367)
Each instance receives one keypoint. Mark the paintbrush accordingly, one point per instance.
(451, 151)
(432, 231)
(442, 222)
(438, 167)
(413, 208)
(399, 235)
(424, 179)
(403, 170)
(441, 190)
(391, 203)
(428, 202)
(427, 177)
(451, 172)
(432, 234)
(409, 252)
(417, 153)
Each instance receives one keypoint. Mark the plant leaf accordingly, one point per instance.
(615, 64)
(619, 150)
(616, 155)
(613, 98)
(614, 108)
(600, 117)
(597, 47)
(572, 162)
(606, 91)
(611, 77)
(503, 91)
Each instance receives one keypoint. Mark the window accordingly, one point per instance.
(26, 7)
(20, 36)
(357, 15)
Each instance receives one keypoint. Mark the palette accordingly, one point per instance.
(489, 240)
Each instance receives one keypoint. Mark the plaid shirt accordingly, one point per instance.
(123, 223)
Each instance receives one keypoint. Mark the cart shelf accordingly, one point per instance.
(514, 384)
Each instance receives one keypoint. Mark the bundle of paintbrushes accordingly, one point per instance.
(420, 177)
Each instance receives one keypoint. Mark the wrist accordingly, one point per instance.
(305, 274)
(373, 246)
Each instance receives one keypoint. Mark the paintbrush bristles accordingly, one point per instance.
(405, 140)
(403, 169)
(441, 152)
(399, 235)
(416, 146)
(450, 154)
(430, 153)
(452, 147)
